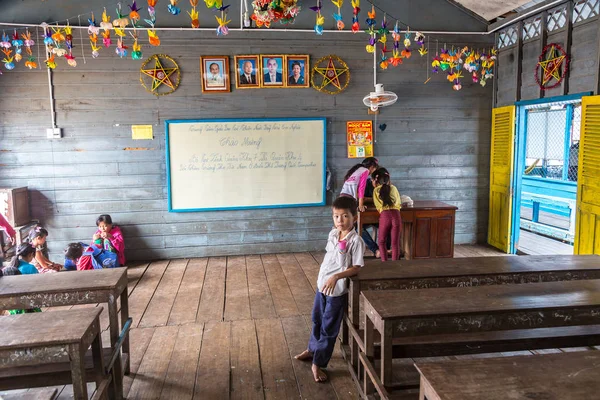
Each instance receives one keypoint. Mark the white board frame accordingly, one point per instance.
(170, 160)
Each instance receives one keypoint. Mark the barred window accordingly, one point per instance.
(585, 9)
(557, 18)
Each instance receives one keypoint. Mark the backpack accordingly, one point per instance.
(101, 258)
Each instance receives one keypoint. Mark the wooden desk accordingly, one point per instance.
(403, 313)
(72, 288)
(562, 376)
(427, 228)
(45, 338)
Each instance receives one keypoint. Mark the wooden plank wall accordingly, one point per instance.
(583, 66)
(436, 144)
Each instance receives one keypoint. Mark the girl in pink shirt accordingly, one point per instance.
(356, 178)
(110, 237)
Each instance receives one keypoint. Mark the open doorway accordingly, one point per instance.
(545, 178)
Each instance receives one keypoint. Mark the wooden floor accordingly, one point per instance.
(532, 244)
(228, 327)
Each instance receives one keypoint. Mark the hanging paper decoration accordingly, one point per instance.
(8, 60)
(134, 15)
(213, 4)
(338, 16)
(106, 25)
(371, 30)
(383, 31)
(406, 53)
(194, 14)
(396, 56)
(152, 35)
(93, 28)
(320, 19)
(27, 41)
(355, 11)
(173, 9)
(69, 43)
(57, 38)
(267, 12)
(30, 63)
(17, 44)
(487, 66)
(94, 45)
(120, 21)
(223, 29)
(50, 63)
(136, 48)
(420, 39)
(121, 49)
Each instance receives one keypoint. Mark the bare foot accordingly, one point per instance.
(304, 356)
(377, 254)
(319, 374)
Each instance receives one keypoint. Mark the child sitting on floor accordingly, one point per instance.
(83, 257)
(109, 237)
(19, 265)
(22, 259)
(37, 239)
(345, 252)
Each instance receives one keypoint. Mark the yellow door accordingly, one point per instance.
(501, 168)
(587, 219)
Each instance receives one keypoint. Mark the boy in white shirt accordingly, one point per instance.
(345, 252)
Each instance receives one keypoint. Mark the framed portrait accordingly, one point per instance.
(272, 71)
(298, 71)
(215, 73)
(247, 72)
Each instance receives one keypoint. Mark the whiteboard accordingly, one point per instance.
(242, 164)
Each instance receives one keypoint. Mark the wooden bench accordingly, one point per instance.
(548, 376)
(73, 288)
(35, 340)
(33, 394)
(459, 312)
(457, 272)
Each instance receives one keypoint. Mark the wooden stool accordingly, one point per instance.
(43, 339)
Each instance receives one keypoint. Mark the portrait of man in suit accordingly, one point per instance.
(272, 71)
(248, 75)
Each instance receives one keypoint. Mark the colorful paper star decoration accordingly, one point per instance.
(330, 71)
(552, 64)
(160, 75)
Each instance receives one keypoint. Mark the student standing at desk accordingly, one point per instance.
(356, 181)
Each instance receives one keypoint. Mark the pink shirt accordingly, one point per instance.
(4, 224)
(356, 184)
(117, 242)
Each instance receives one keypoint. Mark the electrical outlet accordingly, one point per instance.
(53, 133)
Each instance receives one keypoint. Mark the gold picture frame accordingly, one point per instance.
(245, 78)
(214, 72)
(272, 78)
(297, 71)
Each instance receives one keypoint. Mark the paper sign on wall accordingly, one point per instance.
(141, 132)
(360, 139)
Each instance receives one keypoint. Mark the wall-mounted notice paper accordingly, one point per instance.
(141, 132)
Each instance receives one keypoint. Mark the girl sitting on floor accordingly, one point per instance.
(37, 239)
(109, 237)
(22, 259)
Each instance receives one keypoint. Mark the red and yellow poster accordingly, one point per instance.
(360, 139)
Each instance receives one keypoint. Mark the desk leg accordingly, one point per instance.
(124, 317)
(426, 391)
(386, 354)
(76, 354)
(113, 319)
(368, 388)
(98, 358)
